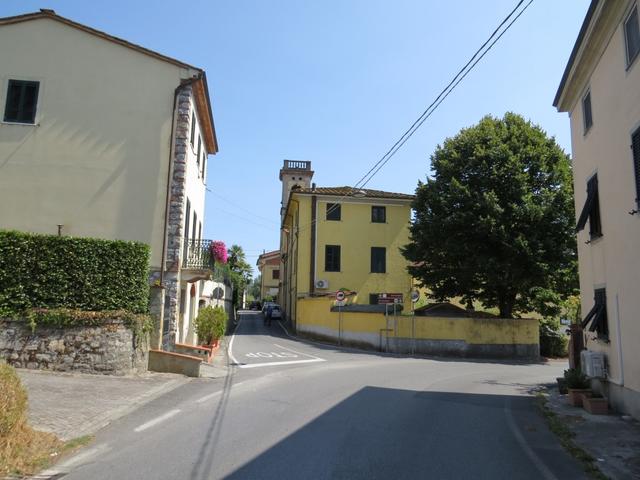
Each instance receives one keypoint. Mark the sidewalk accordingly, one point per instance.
(613, 440)
(74, 404)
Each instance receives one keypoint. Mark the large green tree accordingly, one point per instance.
(240, 271)
(495, 223)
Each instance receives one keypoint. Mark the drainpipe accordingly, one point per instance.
(312, 266)
(619, 382)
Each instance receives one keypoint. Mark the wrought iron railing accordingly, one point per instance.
(297, 165)
(197, 254)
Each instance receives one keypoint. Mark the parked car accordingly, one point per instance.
(265, 305)
(255, 305)
(276, 312)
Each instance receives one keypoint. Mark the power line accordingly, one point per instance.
(269, 220)
(455, 81)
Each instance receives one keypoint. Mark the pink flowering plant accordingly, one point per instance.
(218, 251)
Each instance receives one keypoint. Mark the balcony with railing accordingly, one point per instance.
(297, 165)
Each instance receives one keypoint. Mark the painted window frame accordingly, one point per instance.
(332, 254)
(378, 264)
(36, 103)
(629, 56)
(375, 217)
(586, 126)
(333, 212)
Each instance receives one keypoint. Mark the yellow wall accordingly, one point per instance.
(267, 281)
(315, 316)
(97, 159)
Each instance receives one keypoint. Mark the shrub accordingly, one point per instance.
(552, 342)
(47, 271)
(211, 323)
(576, 379)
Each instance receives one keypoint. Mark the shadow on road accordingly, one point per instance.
(381, 433)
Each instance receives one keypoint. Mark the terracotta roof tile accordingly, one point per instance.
(350, 192)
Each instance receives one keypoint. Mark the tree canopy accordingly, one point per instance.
(240, 271)
(496, 221)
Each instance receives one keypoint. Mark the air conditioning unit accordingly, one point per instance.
(322, 284)
(593, 364)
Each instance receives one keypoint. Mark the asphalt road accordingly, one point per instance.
(296, 410)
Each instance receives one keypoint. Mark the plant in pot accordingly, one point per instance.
(595, 404)
(577, 385)
(211, 323)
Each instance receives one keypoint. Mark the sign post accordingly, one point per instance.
(415, 296)
(340, 301)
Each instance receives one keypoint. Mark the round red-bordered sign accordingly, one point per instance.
(340, 296)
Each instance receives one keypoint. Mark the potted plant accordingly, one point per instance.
(562, 385)
(577, 385)
(595, 404)
(211, 323)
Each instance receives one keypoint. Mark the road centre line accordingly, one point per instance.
(273, 364)
(157, 420)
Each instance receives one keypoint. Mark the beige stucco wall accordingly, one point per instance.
(611, 261)
(269, 287)
(97, 159)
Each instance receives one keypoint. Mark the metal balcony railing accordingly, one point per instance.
(297, 165)
(197, 254)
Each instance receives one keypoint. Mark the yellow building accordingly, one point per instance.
(269, 265)
(338, 239)
(600, 89)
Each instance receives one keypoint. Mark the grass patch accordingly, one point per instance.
(565, 435)
(23, 450)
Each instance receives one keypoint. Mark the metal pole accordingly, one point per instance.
(413, 329)
(339, 323)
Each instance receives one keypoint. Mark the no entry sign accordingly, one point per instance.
(340, 296)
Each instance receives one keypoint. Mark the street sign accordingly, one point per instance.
(387, 298)
(340, 296)
(415, 296)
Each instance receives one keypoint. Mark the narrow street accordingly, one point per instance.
(295, 410)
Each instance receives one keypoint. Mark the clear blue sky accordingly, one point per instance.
(337, 82)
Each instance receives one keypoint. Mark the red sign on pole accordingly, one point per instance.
(386, 298)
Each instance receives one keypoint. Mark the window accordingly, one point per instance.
(22, 99)
(204, 164)
(332, 258)
(373, 298)
(333, 211)
(591, 210)
(597, 316)
(199, 152)
(193, 129)
(379, 214)
(635, 147)
(378, 260)
(199, 231)
(275, 274)
(632, 35)
(586, 112)
(195, 222)
(187, 220)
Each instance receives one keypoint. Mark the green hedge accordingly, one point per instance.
(47, 271)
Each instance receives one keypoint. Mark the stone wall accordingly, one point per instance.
(110, 349)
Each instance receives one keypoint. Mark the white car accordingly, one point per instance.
(276, 312)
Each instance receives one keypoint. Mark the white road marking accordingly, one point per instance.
(299, 353)
(273, 364)
(233, 337)
(66, 466)
(209, 397)
(157, 420)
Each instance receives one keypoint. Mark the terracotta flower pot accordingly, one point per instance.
(596, 405)
(575, 396)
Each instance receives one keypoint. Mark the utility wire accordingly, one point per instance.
(462, 73)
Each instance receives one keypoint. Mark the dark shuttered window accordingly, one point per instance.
(334, 211)
(635, 146)
(332, 258)
(586, 112)
(199, 152)
(632, 35)
(378, 214)
(22, 99)
(193, 129)
(597, 316)
(591, 210)
(378, 260)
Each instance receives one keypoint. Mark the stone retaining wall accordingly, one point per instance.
(108, 349)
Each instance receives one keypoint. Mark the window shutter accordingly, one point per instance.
(635, 146)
